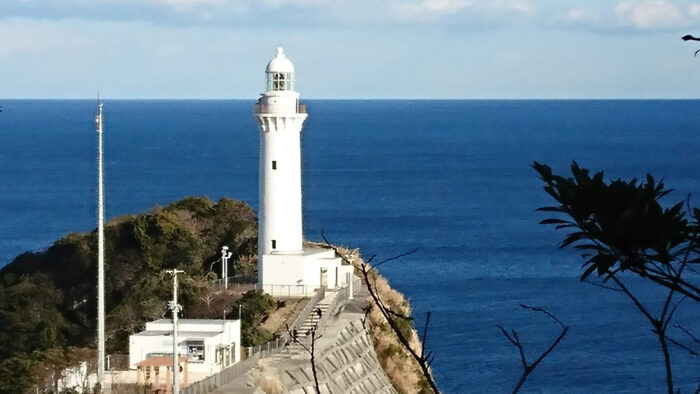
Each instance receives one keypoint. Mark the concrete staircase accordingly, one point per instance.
(305, 330)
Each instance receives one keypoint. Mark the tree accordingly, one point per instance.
(255, 306)
(622, 230)
(16, 374)
(30, 317)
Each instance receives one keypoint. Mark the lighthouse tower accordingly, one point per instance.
(280, 118)
(285, 268)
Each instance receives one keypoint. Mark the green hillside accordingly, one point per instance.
(48, 298)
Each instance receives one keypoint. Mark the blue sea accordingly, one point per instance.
(451, 178)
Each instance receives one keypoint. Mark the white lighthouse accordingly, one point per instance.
(284, 266)
(280, 118)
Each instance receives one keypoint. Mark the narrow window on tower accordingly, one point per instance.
(274, 164)
(274, 244)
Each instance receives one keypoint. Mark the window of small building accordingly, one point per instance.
(195, 351)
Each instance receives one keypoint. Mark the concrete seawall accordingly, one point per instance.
(346, 363)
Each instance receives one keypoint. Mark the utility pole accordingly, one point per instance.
(175, 308)
(100, 258)
(225, 255)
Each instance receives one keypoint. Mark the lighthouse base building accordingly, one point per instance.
(287, 275)
(285, 268)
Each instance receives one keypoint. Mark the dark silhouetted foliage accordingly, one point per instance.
(48, 298)
(621, 228)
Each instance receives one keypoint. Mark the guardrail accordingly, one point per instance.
(117, 362)
(289, 291)
(255, 353)
(338, 302)
(296, 324)
(215, 381)
(249, 282)
(235, 282)
(265, 109)
(273, 347)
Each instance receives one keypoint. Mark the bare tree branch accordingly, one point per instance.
(404, 254)
(294, 338)
(682, 346)
(514, 339)
(423, 362)
(425, 334)
(398, 314)
(543, 311)
(601, 286)
(693, 337)
(673, 311)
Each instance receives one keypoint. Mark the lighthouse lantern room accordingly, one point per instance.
(285, 268)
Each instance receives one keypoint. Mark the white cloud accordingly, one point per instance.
(504, 7)
(631, 16)
(237, 6)
(694, 11)
(429, 10)
(648, 14)
(432, 10)
(23, 37)
(200, 8)
(295, 3)
(579, 15)
(310, 13)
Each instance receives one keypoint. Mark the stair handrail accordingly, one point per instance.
(339, 301)
(297, 323)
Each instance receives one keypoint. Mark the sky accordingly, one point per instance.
(350, 49)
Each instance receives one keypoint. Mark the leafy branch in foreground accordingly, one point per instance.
(621, 228)
(514, 339)
(688, 37)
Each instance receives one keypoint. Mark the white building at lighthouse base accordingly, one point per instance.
(300, 274)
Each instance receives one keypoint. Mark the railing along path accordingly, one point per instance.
(255, 353)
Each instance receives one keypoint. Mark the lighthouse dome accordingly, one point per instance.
(280, 63)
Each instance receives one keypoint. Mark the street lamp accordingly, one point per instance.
(225, 255)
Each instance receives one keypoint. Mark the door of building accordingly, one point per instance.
(324, 277)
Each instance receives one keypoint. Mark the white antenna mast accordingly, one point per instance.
(176, 308)
(100, 256)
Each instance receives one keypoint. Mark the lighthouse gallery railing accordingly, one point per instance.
(265, 109)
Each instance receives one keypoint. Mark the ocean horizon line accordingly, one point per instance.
(355, 99)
